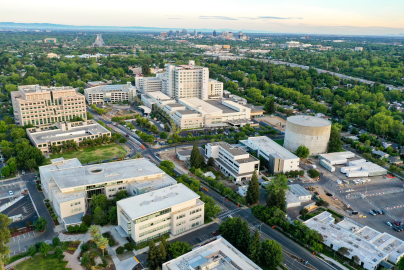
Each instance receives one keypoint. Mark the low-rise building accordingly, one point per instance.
(110, 93)
(232, 160)
(302, 194)
(174, 209)
(337, 158)
(217, 254)
(70, 186)
(42, 105)
(57, 135)
(279, 159)
(94, 84)
(158, 99)
(373, 248)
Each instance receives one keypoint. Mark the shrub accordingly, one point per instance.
(129, 246)
(120, 250)
(313, 173)
(84, 247)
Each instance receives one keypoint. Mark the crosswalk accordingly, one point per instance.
(228, 213)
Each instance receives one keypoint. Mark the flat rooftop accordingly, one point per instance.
(184, 112)
(109, 88)
(270, 147)
(371, 167)
(218, 255)
(337, 156)
(158, 95)
(222, 107)
(200, 105)
(298, 190)
(175, 105)
(308, 121)
(148, 203)
(39, 88)
(80, 176)
(234, 150)
(74, 132)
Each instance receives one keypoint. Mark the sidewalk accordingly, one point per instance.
(333, 261)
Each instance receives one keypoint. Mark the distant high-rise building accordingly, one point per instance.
(177, 33)
(214, 33)
(230, 35)
(195, 33)
(184, 32)
(170, 33)
(99, 41)
(163, 34)
(224, 34)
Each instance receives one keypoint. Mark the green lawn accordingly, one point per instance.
(41, 263)
(280, 142)
(92, 154)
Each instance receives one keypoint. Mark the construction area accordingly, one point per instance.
(274, 121)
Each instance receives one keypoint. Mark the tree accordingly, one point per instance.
(195, 159)
(4, 239)
(122, 194)
(269, 106)
(40, 224)
(102, 244)
(177, 249)
(313, 173)
(99, 216)
(97, 237)
(253, 190)
(271, 253)
(152, 258)
(99, 201)
(254, 249)
(145, 69)
(87, 219)
(45, 248)
(94, 230)
(317, 247)
(55, 241)
(162, 253)
(243, 237)
(85, 260)
(113, 216)
(123, 140)
(335, 143)
(211, 161)
(5, 171)
(302, 151)
(58, 253)
(154, 129)
(32, 251)
(303, 212)
(163, 135)
(343, 251)
(166, 127)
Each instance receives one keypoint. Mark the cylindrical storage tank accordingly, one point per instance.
(312, 132)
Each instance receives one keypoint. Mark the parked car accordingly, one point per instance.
(388, 223)
(372, 213)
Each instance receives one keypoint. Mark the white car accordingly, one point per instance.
(10, 193)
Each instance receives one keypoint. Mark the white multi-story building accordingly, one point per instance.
(218, 254)
(174, 209)
(232, 160)
(279, 159)
(158, 99)
(148, 84)
(292, 44)
(42, 105)
(187, 81)
(110, 93)
(70, 186)
(215, 89)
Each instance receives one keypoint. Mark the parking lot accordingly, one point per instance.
(21, 212)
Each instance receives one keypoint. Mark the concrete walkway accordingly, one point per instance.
(334, 262)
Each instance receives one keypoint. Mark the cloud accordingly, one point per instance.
(271, 18)
(217, 18)
(174, 18)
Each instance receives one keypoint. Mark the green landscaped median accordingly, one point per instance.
(39, 262)
(92, 154)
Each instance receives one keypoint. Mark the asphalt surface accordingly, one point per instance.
(23, 207)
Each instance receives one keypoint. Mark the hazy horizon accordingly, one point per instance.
(341, 17)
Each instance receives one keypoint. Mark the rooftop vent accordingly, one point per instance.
(95, 170)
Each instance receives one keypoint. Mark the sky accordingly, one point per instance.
(341, 17)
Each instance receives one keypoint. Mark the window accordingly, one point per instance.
(139, 220)
(180, 230)
(196, 217)
(180, 223)
(180, 216)
(194, 224)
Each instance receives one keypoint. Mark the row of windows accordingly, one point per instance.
(75, 203)
(195, 211)
(153, 236)
(155, 229)
(76, 210)
(196, 217)
(180, 223)
(154, 223)
(181, 216)
(163, 212)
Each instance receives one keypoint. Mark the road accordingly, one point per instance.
(288, 245)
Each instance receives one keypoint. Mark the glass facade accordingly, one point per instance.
(165, 211)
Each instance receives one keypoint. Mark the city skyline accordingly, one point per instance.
(311, 17)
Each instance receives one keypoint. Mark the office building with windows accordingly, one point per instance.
(110, 93)
(232, 161)
(170, 210)
(279, 159)
(70, 186)
(215, 89)
(148, 84)
(42, 105)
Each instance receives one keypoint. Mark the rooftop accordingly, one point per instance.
(173, 105)
(217, 255)
(270, 147)
(308, 121)
(298, 190)
(220, 106)
(337, 156)
(110, 88)
(199, 105)
(158, 95)
(74, 132)
(39, 88)
(148, 203)
(72, 174)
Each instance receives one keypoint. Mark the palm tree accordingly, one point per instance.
(97, 237)
(102, 244)
(93, 230)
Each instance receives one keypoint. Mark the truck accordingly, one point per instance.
(162, 125)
